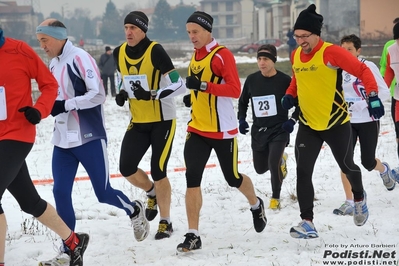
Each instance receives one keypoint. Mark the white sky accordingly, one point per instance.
(226, 229)
(96, 7)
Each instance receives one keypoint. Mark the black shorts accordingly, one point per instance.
(197, 150)
(138, 138)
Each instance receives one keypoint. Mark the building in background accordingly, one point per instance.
(240, 22)
(341, 17)
(369, 19)
(376, 18)
(232, 19)
(18, 21)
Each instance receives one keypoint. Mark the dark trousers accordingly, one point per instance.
(367, 134)
(270, 159)
(94, 158)
(307, 147)
(393, 106)
(14, 176)
(105, 83)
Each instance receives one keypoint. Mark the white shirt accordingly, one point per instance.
(355, 93)
(393, 52)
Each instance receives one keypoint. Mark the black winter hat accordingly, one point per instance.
(203, 19)
(309, 20)
(271, 52)
(138, 19)
(396, 31)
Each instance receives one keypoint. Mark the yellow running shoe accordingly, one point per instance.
(274, 204)
(283, 166)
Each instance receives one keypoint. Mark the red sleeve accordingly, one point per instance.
(292, 89)
(47, 84)
(389, 74)
(223, 64)
(337, 56)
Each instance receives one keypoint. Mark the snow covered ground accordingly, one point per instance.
(227, 234)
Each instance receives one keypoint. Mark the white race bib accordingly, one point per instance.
(350, 101)
(72, 136)
(3, 104)
(128, 81)
(264, 106)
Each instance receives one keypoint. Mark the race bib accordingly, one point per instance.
(352, 102)
(264, 106)
(129, 80)
(72, 136)
(3, 104)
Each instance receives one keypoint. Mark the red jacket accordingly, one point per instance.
(19, 64)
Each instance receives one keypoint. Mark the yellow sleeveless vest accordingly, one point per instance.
(204, 113)
(320, 97)
(142, 111)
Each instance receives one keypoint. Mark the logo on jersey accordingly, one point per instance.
(347, 78)
(133, 70)
(89, 73)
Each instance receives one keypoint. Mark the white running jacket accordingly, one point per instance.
(80, 85)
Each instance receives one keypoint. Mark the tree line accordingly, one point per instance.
(166, 24)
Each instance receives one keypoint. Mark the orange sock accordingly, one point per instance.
(72, 241)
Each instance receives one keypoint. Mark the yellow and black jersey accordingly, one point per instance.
(210, 113)
(146, 111)
(321, 99)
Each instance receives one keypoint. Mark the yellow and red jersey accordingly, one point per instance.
(212, 113)
(317, 81)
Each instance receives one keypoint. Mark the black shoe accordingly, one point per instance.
(191, 242)
(259, 217)
(165, 229)
(151, 210)
(77, 254)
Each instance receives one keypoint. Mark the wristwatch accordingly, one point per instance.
(153, 94)
(373, 94)
(204, 86)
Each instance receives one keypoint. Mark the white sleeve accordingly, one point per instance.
(90, 74)
(383, 90)
(171, 89)
(119, 81)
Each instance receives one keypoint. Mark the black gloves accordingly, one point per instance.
(288, 125)
(140, 93)
(193, 83)
(376, 109)
(287, 101)
(187, 100)
(58, 108)
(243, 126)
(121, 97)
(31, 114)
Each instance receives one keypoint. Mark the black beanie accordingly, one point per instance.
(271, 52)
(203, 19)
(138, 19)
(396, 31)
(309, 20)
